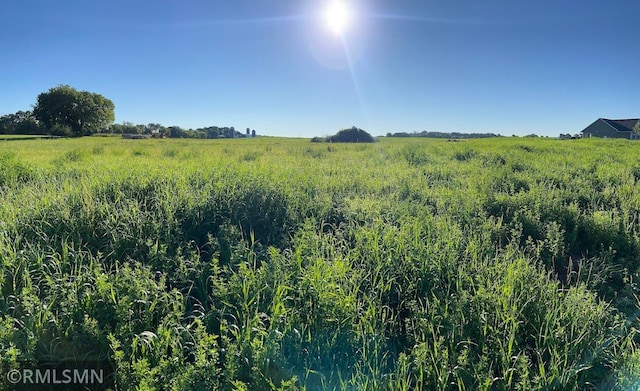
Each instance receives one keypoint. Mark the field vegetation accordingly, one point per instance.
(278, 264)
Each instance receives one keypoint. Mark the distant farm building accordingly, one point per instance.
(612, 128)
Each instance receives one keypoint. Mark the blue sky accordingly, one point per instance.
(509, 67)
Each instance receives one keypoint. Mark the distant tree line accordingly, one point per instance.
(210, 132)
(65, 111)
(443, 135)
(22, 122)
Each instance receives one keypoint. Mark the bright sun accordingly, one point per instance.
(337, 16)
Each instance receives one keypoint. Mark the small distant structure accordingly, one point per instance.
(612, 128)
(135, 136)
(250, 133)
(155, 133)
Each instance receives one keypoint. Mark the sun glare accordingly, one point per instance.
(337, 16)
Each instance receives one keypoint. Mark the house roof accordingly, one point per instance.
(622, 125)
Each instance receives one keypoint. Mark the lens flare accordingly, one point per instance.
(337, 17)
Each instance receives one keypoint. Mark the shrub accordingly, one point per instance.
(352, 135)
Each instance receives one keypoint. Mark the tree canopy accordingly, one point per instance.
(22, 122)
(351, 135)
(64, 109)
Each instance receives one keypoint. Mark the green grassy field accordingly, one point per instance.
(278, 264)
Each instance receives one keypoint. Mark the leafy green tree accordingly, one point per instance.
(126, 127)
(176, 132)
(637, 127)
(22, 122)
(352, 135)
(6, 124)
(82, 111)
(213, 132)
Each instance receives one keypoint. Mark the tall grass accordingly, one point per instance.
(272, 264)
